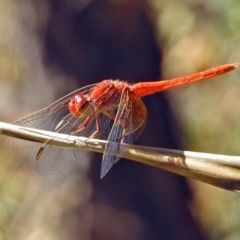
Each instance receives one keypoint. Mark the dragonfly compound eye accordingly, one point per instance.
(78, 105)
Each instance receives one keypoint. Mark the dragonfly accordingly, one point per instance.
(111, 110)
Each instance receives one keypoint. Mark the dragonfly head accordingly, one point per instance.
(78, 105)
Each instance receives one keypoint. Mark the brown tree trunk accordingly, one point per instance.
(116, 39)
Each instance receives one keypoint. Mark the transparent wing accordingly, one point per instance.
(45, 119)
(56, 118)
(129, 122)
(56, 158)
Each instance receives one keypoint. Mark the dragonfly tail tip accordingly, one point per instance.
(235, 65)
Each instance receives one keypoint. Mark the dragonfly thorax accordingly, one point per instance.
(109, 92)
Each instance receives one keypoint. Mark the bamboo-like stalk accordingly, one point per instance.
(218, 170)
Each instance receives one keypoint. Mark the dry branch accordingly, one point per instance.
(219, 170)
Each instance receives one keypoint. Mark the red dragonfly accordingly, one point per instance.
(109, 110)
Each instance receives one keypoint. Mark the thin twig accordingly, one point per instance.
(219, 170)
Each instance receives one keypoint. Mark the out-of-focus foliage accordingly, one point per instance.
(195, 35)
(31, 206)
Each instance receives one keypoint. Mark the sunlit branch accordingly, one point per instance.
(219, 170)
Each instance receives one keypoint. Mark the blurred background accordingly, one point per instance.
(49, 48)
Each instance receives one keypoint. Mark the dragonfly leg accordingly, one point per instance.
(98, 129)
(83, 125)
